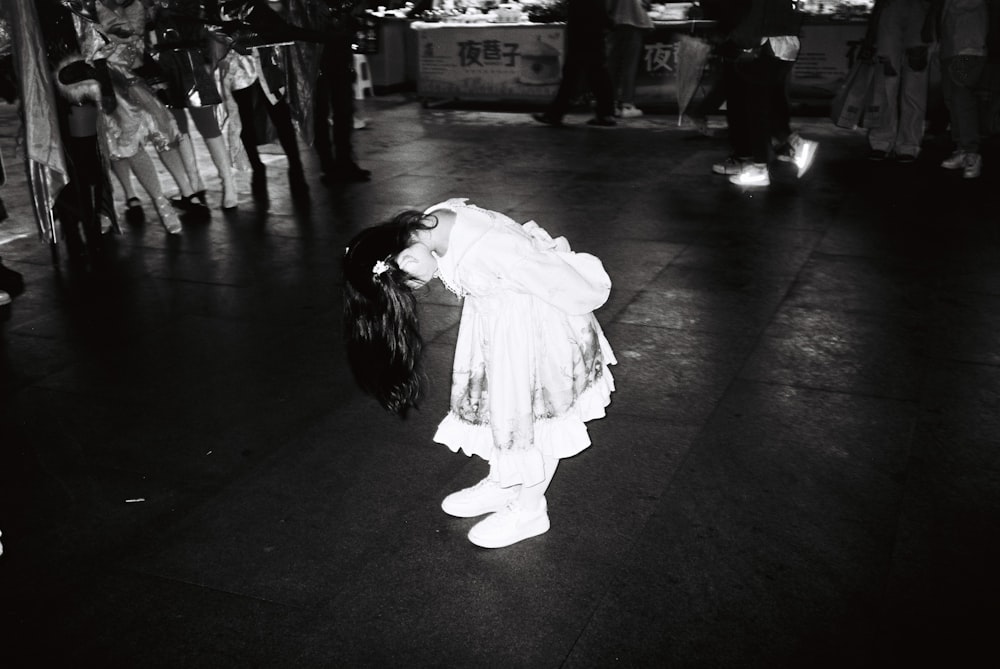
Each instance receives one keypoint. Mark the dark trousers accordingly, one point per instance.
(757, 104)
(585, 57)
(247, 101)
(334, 90)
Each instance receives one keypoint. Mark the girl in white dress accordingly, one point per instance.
(531, 361)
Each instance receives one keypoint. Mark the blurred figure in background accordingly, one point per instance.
(904, 54)
(586, 24)
(625, 51)
(760, 50)
(132, 115)
(182, 51)
(964, 26)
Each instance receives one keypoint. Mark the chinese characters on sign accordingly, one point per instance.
(521, 62)
(659, 56)
(490, 51)
(524, 62)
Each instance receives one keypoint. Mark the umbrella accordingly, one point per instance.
(691, 54)
(42, 139)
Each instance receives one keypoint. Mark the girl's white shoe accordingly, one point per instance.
(510, 525)
(485, 497)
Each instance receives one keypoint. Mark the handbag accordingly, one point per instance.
(853, 105)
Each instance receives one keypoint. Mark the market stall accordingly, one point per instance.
(513, 52)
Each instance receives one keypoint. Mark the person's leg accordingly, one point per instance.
(631, 56)
(281, 116)
(532, 497)
(758, 108)
(321, 121)
(568, 84)
(737, 93)
(780, 115)
(758, 76)
(172, 160)
(245, 99)
(736, 90)
(600, 82)
(124, 173)
(485, 497)
(963, 108)
(208, 128)
(145, 172)
(890, 48)
(714, 96)
(914, 77)
(341, 82)
(86, 178)
(616, 60)
(185, 149)
(527, 516)
(965, 118)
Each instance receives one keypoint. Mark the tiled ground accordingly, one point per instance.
(800, 468)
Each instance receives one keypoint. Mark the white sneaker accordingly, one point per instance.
(629, 110)
(973, 166)
(510, 525)
(4, 298)
(752, 176)
(731, 165)
(955, 161)
(485, 497)
(805, 152)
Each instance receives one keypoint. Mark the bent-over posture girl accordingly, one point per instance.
(531, 361)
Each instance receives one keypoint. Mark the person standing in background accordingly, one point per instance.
(586, 24)
(903, 53)
(625, 52)
(964, 26)
(181, 51)
(762, 48)
(334, 92)
(132, 115)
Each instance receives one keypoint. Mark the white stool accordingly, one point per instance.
(362, 78)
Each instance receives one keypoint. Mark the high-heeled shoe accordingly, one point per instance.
(168, 218)
(133, 211)
(193, 203)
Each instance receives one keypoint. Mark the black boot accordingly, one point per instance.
(258, 183)
(297, 181)
(11, 282)
(347, 171)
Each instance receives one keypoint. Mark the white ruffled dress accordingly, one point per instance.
(531, 362)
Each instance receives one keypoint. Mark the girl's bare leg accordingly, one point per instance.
(220, 156)
(185, 148)
(145, 172)
(175, 165)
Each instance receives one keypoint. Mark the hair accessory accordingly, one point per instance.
(380, 266)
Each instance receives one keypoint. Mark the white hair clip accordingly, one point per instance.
(380, 266)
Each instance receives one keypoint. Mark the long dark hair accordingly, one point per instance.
(380, 313)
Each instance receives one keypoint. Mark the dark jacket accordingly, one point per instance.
(587, 18)
(182, 51)
(746, 22)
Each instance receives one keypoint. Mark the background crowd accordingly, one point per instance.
(133, 79)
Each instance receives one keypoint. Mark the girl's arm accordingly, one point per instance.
(575, 283)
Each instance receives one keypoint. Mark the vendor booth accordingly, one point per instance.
(513, 52)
